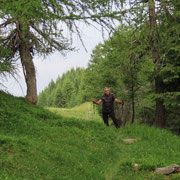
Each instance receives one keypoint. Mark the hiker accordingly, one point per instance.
(108, 106)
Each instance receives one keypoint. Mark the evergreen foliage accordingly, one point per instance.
(124, 63)
(7, 66)
(64, 92)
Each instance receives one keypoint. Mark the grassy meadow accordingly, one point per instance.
(86, 111)
(37, 143)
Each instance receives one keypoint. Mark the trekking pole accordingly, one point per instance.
(93, 111)
(122, 109)
(122, 104)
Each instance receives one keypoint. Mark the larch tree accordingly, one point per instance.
(35, 27)
(7, 66)
(162, 13)
(155, 16)
(160, 108)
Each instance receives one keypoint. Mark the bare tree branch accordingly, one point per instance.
(7, 22)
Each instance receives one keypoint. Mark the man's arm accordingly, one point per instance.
(118, 101)
(96, 102)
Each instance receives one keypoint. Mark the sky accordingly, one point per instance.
(55, 65)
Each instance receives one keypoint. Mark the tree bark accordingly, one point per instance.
(160, 109)
(132, 97)
(133, 108)
(29, 73)
(27, 62)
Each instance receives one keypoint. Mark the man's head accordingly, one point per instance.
(107, 91)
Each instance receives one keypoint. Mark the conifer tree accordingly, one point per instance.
(32, 27)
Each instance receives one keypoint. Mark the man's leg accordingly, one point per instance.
(112, 115)
(105, 118)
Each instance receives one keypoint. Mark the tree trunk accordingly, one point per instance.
(27, 62)
(133, 109)
(29, 73)
(132, 97)
(160, 109)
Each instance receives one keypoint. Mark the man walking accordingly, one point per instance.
(108, 106)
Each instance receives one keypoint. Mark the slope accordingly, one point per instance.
(38, 144)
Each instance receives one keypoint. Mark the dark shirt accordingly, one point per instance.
(108, 102)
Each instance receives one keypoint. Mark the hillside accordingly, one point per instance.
(38, 144)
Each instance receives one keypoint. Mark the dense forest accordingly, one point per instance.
(64, 92)
(140, 63)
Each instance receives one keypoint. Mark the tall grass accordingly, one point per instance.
(38, 144)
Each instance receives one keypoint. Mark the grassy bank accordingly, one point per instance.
(39, 144)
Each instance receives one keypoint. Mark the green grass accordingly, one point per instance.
(39, 144)
(86, 111)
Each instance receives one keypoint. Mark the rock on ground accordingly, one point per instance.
(168, 169)
(130, 140)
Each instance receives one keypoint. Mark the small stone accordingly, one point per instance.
(130, 140)
(136, 166)
(168, 169)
